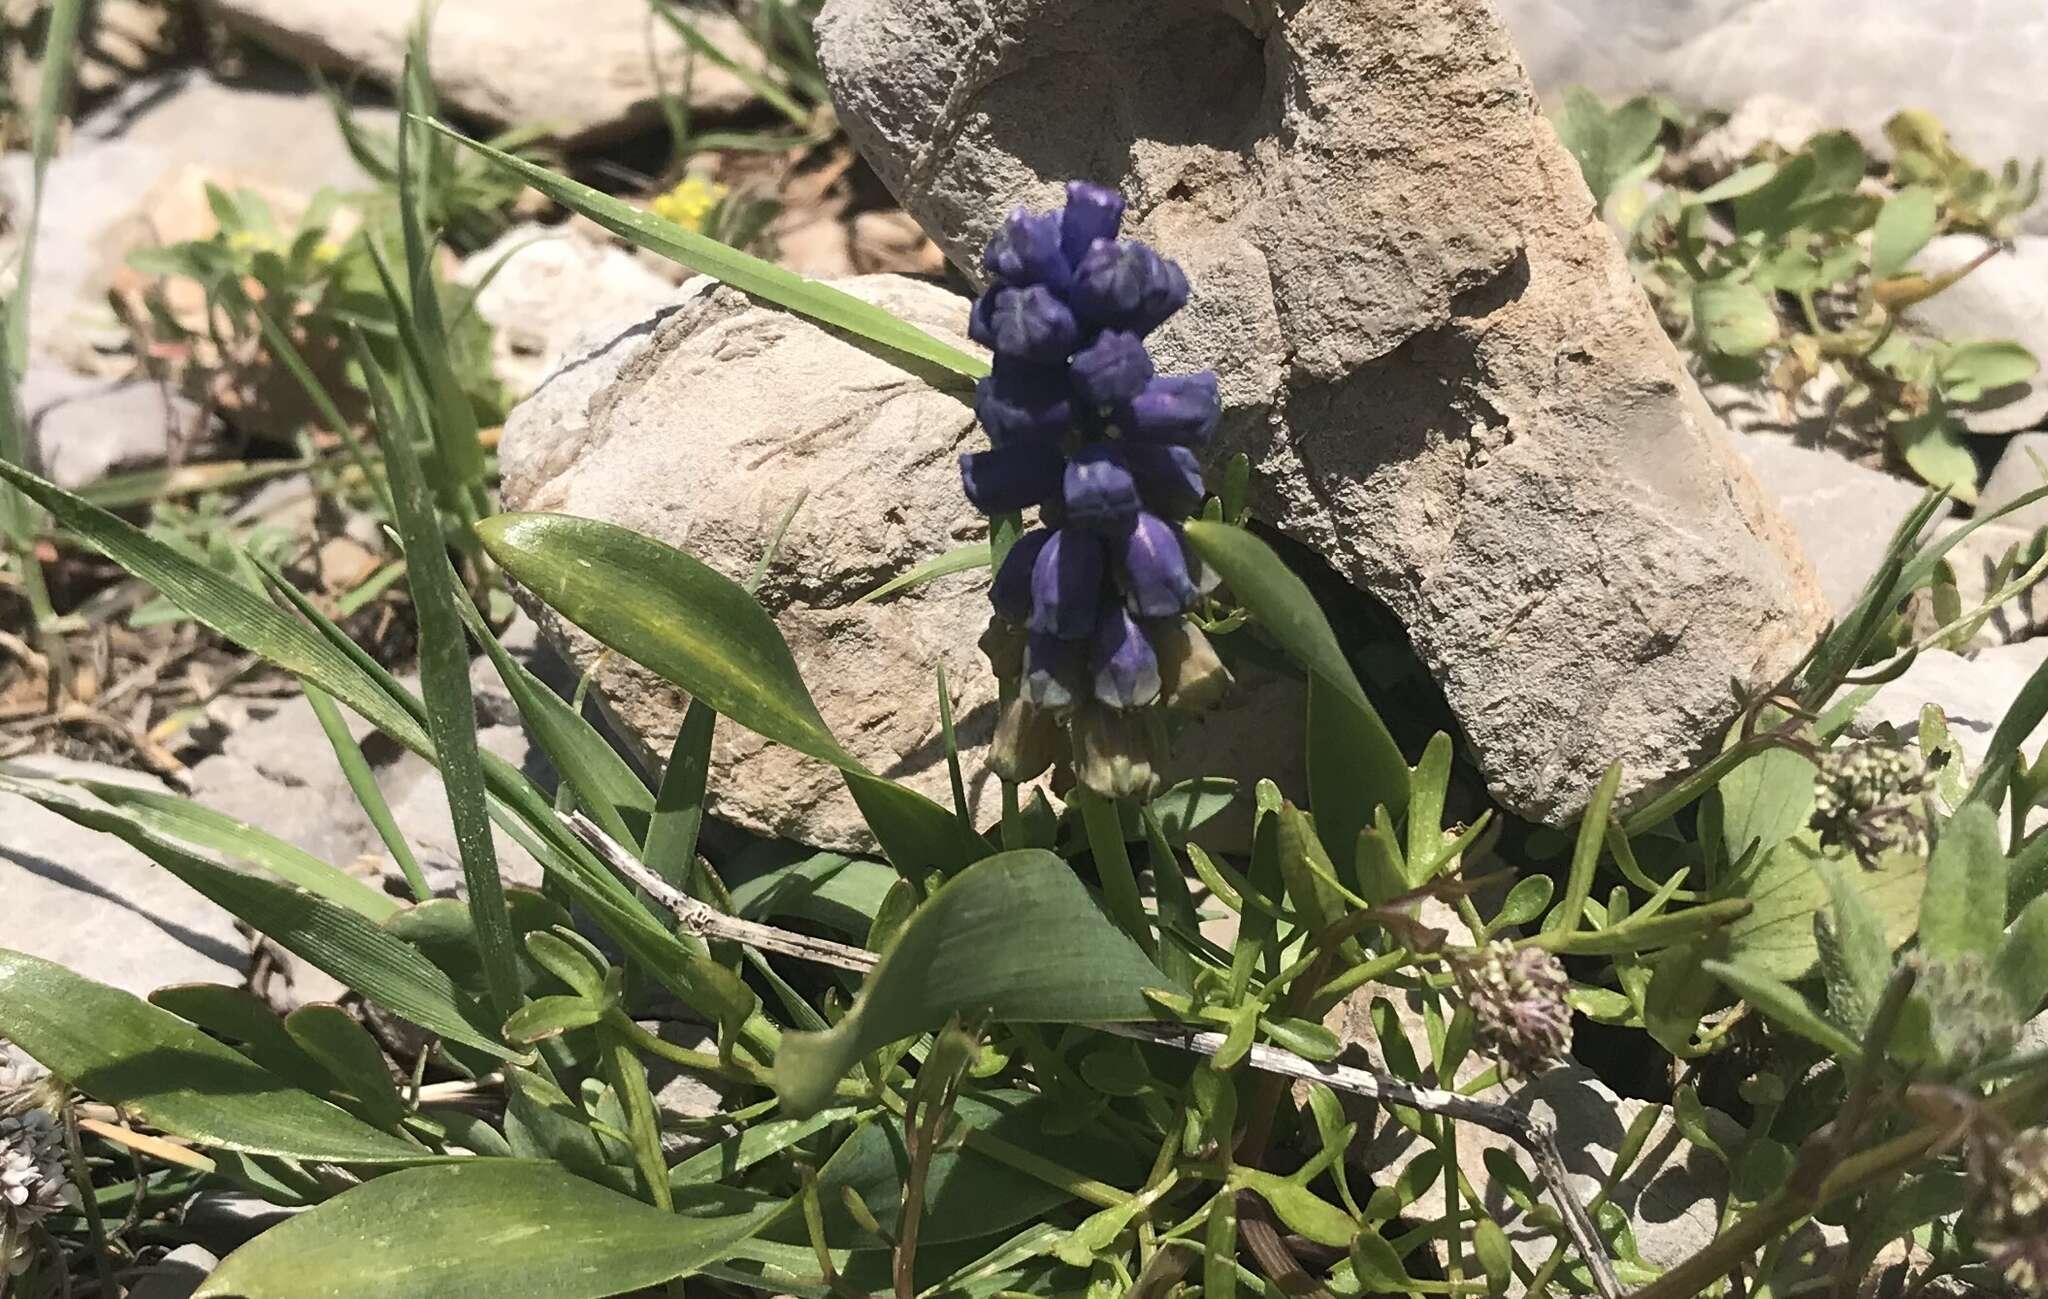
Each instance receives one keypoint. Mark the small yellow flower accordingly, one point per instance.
(690, 202)
(251, 241)
(326, 251)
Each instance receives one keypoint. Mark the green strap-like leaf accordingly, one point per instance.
(690, 624)
(1015, 936)
(1783, 1006)
(479, 1229)
(117, 1048)
(1372, 766)
(750, 275)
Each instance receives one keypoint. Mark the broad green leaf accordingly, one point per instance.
(1854, 952)
(1766, 800)
(1786, 887)
(240, 1017)
(968, 1193)
(351, 1056)
(844, 893)
(1782, 1005)
(1300, 1209)
(1970, 371)
(750, 275)
(1746, 181)
(121, 1050)
(1607, 145)
(1015, 936)
(1933, 448)
(479, 1229)
(690, 624)
(1496, 1256)
(1734, 319)
(2022, 966)
(335, 939)
(546, 1017)
(1525, 901)
(1963, 910)
(1260, 581)
(182, 819)
(1904, 226)
(1376, 1266)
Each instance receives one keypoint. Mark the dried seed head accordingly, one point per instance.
(2009, 1205)
(33, 1182)
(1869, 799)
(1517, 995)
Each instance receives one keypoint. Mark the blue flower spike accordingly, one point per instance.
(1091, 607)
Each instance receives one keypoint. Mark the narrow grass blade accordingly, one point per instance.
(959, 560)
(444, 680)
(768, 92)
(751, 275)
(362, 782)
(679, 807)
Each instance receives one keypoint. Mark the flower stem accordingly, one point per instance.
(1113, 864)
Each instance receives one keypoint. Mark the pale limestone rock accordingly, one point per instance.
(1431, 347)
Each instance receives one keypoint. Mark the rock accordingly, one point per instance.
(89, 902)
(1429, 344)
(176, 1275)
(2005, 298)
(556, 282)
(278, 772)
(272, 132)
(1855, 62)
(1763, 121)
(894, 243)
(763, 407)
(1844, 513)
(2022, 467)
(81, 430)
(1974, 693)
(590, 72)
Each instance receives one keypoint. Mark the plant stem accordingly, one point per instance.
(1113, 864)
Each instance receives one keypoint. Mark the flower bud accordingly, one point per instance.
(1191, 678)
(1869, 799)
(1019, 401)
(1125, 669)
(1169, 478)
(1010, 593)
(1519, 1012)
(1028, 324)
(1025, 250)
(1066, 585)
(1113, 754)
(1093, 212)
(1178, 408)
(1127, 286)
(1098, 490)
(1969, 1016)
(1112, 369)
(1052, 671)
(1002, 644)
(1026, 742)
(1152, 569)
(1011, 477)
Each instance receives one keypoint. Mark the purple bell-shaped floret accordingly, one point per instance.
(1093, 212)
(1126, 671)
(1011, 477)
(1026, 249)
(1152, 569)
(1178, 408)
(1066, 585)
(1111, 370)
(1098, 491)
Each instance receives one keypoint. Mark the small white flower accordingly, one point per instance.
(33, 1182)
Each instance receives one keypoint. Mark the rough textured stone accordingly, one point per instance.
(556, 282)
(89, 902)
(1974, 63)
(1844, 513)
(1430, 346)
(2022, 467)
(590, 72)
(268, 131)
(2007, 297)
(81, 430)
(700, 427)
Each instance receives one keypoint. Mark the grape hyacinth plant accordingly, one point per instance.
(1091, 606)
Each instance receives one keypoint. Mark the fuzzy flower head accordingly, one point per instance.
(2008, 1208)
(1517, 995)
(1969, 1015)
(1870, 799)
(1088, 432)
(33, 1183)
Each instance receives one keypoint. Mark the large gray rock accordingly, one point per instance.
(1448, 383)
(80, 429)
(2022, 468)
(1974, 63)
(701, 427)
(590, 72)
(88, 901)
